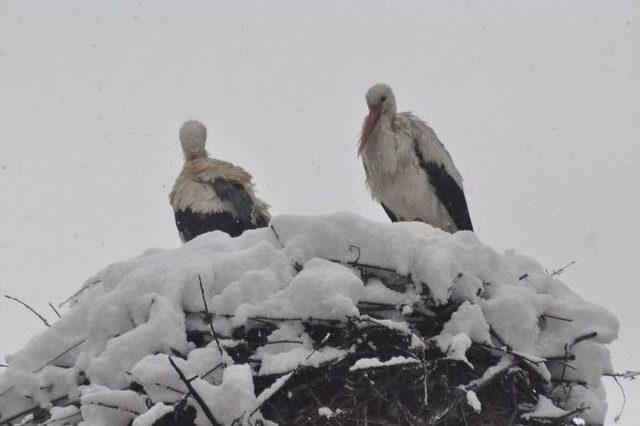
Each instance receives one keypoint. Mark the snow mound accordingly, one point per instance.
(136, 344)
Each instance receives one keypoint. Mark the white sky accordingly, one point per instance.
(538, 102)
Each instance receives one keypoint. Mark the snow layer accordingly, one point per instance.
(124, 321)
(376, 363)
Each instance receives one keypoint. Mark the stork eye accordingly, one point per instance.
(382, 99)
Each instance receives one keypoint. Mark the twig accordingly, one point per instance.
(560, 271)
(43, 319)
(113, 407)
(570, 414)
(585, 337)
(455, 281)
(85, 286)
(206, 308)
(54, 359)
(55, 310)
(269, 392)
(212, 370)
(510, 351)
(545, 316)
(70, 416)
(275, 342)
(566, 357)
(28, 411)
(500, 340)
(631, 375)
(193, 392)
(624, 400)
(276, 234)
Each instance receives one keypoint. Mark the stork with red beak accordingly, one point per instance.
(408, 169)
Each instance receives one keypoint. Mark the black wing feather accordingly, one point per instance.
(389, 213)
(447, 190)
(191, 224)
(235, 194)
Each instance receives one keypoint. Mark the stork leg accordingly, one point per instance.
(389, 213)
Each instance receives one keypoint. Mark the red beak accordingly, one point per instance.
(368, 126)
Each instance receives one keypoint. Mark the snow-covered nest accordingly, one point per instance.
(325, 319)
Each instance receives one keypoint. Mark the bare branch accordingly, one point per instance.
(55, 310)
(43, 319)
(560, 271)
(194, 393)
(206, 308)
(57, 357)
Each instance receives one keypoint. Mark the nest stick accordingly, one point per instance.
(54, 359)
(55, 310)
(43, 319)
(195, 394)
(206, 308)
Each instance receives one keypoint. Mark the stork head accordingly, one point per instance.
(193, 135)
(381, 103)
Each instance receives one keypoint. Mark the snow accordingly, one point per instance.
(376, 363)
(328, 412)
(63, 415)
(155, 413)
(545, 409)
(122, 326)
(284, 362)
(473, 401)
(232, 399)
(101, 406)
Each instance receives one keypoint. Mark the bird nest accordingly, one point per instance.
(389, 369)
(405, 384)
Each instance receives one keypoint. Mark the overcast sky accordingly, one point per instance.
(538, 103)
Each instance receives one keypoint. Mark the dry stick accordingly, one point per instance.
(70, 416)
(21, 414)
(556, 318)
(206, 308)
(54, 359)
(292, 373)
(275, 342)
(113, 407)
(4, 392)
(631, 375)
(85, 286)
(284, 382)
(276, 234)
(193, 392)
(55, 310)
(43, 319)
(560, 271)
(499, 338)
(585, 337)
(624, 400)
(212, 370)
(510, 352)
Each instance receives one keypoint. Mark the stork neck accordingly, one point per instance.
(382, 127)
(195, 155)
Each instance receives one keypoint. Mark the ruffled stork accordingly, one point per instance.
(210, 194)
(408, 169)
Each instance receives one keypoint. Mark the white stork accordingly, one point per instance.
(408, 169)
(210, 194)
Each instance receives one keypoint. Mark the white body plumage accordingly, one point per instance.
(400, 154)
